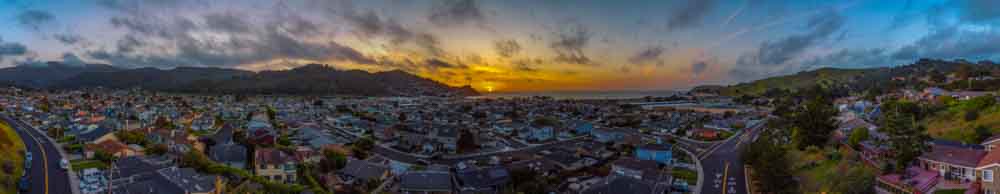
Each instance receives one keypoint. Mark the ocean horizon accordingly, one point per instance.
(583, 95)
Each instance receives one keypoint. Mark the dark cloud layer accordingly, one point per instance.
(68, 39)
(227, 22)
(771, 56)
(569, 44)
(853, 58)
(980, 10)
(950, 43)
(456, 12)
(34, 19)
(11, 49)
(690, 15)
(280, 39)
(507, 48)
(651, 54)
(369, 24)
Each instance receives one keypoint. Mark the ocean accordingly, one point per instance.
(583, 95)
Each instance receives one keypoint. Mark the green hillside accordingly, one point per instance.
(796, 81)
(11, 165)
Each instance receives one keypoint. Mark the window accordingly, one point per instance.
(988, 175)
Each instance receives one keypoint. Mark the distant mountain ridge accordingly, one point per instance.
(312, 79)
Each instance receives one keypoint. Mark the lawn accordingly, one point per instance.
(85, 164)
(11, 147)
(687, 175)
(950, 191)
(818, 169)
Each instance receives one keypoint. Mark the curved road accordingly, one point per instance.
(45, 174)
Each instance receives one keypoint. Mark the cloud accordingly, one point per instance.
(34, 19)
(174, 40)
(437, 63)
(569, 45)
(979, 10)
(853, 58)
(68, 39)
(952, 42)
(456, 12)
(690, 14)
(369, 24)
(771, 57)
(905, 16)
(507, 48)
(226, 22)
(12, 49)
(651, 54)
(698, 67)
(72, 59)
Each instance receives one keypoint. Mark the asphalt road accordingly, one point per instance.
(45, 174)
(723, 167)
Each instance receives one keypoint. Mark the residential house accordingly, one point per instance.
(541, 133)
(229, 154)
(581, 127)
(113, 147)
(952, 160)
(360, 172)
(915, 181)
(661, 153)
(987, 170)
(173, 180)
(568, 161)
(605, 135)
(275, 165)
(621, 184)
(261, 132)
(629, 167)
(482, 180)
(426, 182)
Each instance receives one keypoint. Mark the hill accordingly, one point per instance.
(43, 75)
(313, 79)
(924, 72)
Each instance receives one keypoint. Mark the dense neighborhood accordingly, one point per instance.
(136, 141)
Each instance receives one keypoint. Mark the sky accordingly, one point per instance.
(509, 45)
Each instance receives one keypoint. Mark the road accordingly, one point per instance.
(45, 174)
(723, 166)
(408, 158)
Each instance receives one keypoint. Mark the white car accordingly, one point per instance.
(64, 164)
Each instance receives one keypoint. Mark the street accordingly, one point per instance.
(45, 174)
(723, 166)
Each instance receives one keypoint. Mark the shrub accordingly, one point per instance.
(971, 115)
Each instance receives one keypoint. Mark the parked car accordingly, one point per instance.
(27, 161)
(64, 164)
(23, 185)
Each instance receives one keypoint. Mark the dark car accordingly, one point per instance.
(23, 185)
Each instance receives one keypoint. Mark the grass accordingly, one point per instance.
(817, 170)
(951, 124)
(687, 175)
(950, 191)
(85, 164)
(12, 167)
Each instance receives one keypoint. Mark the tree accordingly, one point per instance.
(983, 133)
(362, 147)
(770, 165)
(858, 180)
(857, 136)
(103, 156)
(158, 149)
(906, 139)
(332, 161)
(815, 122)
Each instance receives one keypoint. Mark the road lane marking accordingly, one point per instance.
(724, 177)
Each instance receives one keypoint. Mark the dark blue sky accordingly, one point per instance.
(511, 45)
